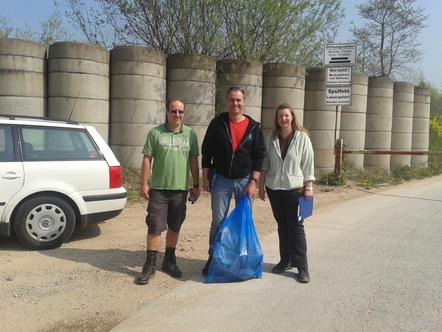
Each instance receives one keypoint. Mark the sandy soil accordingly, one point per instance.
(87, 284)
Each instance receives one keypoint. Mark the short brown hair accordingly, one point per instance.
(235, 88)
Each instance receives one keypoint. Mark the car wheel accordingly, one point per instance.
(44, 222)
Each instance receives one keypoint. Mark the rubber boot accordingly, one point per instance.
(284, 253)
(169, 263)
(149, 268)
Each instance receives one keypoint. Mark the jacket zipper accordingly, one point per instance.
(292, 142)
(231, 144)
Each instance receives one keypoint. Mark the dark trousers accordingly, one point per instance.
(292, 242)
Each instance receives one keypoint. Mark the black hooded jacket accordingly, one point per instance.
(217, 150)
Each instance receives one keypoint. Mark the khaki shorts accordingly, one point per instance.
(166, 209)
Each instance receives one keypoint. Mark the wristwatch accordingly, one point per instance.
(254, 179)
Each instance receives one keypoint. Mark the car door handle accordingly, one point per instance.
(10, 176)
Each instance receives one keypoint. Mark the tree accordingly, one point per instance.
(5, 29)
(388, 43)
(25, 33)
(261, 30)
(53, 30)
(281, 31)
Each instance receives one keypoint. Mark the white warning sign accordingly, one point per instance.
(338, 75)
(338, 95)
(340, 54)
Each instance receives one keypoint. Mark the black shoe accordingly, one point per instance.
(169, 263)
(281, 267)
(171, 269)
(303, 276)
(149, 269)
(206, 267)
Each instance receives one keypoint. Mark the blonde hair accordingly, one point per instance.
(295, 124)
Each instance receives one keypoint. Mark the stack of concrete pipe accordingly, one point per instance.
(138, 99)
(78, 84)
(22, 77)
(320, 120)
(75, 85)
(192, 78)
(353, 118)
(379, 121)
(282, 83)
(421, 125)
(402, 125)
(247, 75)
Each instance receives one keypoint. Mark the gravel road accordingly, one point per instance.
(87, 284)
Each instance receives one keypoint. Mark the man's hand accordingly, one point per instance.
(251, 189)
(206, 186)
(194, 194)
(144, 191)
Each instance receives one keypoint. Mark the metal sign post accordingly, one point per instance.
(338, 61)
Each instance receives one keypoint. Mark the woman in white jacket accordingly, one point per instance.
(287, 174)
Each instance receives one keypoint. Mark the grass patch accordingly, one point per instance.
(131, 181)
(375, 178)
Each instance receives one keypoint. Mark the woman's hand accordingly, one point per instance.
(308, 193)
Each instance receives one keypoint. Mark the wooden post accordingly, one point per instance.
(339, 156)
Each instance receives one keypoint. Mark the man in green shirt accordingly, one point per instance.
(171, 150)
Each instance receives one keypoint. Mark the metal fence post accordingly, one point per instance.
(339, 156)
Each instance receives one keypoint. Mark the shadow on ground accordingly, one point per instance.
(13, 244)
(124, 261)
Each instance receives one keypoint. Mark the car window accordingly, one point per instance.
(57, 144)
(6, 145)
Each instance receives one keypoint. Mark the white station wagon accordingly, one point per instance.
(55, 176)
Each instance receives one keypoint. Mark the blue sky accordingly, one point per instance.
(32, 12)
(430, 38)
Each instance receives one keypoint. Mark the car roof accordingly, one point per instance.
(38, 121)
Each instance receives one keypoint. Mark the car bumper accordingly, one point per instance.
(5, 229)
(94, 218)
(99, 201)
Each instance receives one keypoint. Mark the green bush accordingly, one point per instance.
(331, 179)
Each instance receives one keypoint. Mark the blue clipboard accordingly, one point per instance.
(305, 208)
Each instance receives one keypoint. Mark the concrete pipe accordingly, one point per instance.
(402, 124)
(22, 77)
(192, 79)
(247, 75)
(421, 125)
(353, 118)
(379, 121)
(282, 83)
(78, 84)
(138, 99)
(320, 120)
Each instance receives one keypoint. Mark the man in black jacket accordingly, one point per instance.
(232, 152)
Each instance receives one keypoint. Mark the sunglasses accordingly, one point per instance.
(180, 112)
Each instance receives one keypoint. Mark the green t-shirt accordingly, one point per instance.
(170, 152)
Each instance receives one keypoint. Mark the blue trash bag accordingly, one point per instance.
(237, 253)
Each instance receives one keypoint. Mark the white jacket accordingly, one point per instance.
(295, 169)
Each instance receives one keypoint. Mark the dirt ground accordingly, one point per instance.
(87, 284)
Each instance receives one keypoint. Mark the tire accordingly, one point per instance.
(44, 222)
